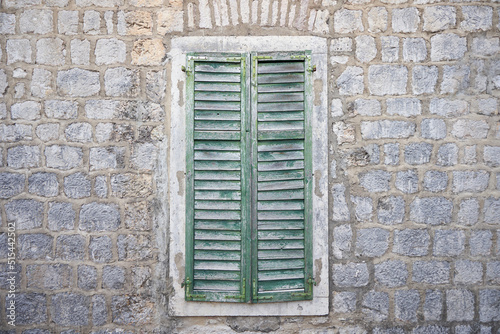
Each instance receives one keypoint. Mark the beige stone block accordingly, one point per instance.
(170, 20)
(138, 23)
(148, 52)
(146, 3)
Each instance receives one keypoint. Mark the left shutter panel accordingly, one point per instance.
(217, 182)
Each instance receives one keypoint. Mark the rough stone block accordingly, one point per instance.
(63, 157)
(149, 52)
(437, 18)
(389, 48)
(107, 157)
(435, 181)
(99, 310)
(424, 79)
(141, 277)
(138, 216)
(342, 239)
(431, 210)
(78, 83)
(470, 181)
(132, 310)
(7, 23)
(492, 211)
(375, 180)
(102, 109)
(110, 51)
(366, 50)
(344, 302)
(348, 21)
(41, 83)
(77, 185)
(27, 214)
(99, 217)
(31, 308)
(131, 185)
(18, 50)
(480, 242)
(35, 246)
(50, 51)
(483, 46)
(433, 128)
(67, 22)
(28, 110)
(363, 208)
(433, 305)
(449, 242)
(3, 88)
(448, 108)
(36, 21)
(61, 109)
(489, 305)
(468, 272)
(406, 305)
(61, 216)
(350, 274)
(391, 210)
(391, 273)
(120, 81)
(170, 20)
(418, 153)
(345, 133)
(492, 156)
(91, 22)
(476, 18)
(101, 249)
(407, 181)
(79, 132)
(456, 79)
(87, 277)
(447, 47)
(375, 305)
(468, 213)
(101, 186)
(134, 247)
(377, 19)
(11, 184)
(372, 242)
(341, 44)
(113, 277)
(43, 184)
(351, 81)
(80, 52)
(387, 79)
(48, 276)
(143, 156)
(387, 129)
(405, 19)
(411, 242)
(493, 272)
(460, 304)
(431, 329)
(406, 107)
(391, 154)
(70, 247)
(431, 272)
(487, 107)
(70, 309)
(447, 155)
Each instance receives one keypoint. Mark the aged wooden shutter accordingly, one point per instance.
(281, 183)
(217, 202)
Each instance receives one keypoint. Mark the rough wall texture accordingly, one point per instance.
(415, 161)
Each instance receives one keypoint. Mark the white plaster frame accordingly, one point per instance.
(177, 169)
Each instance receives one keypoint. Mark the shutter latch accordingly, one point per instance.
(188, 286)
(310, 283)
(243, 292)
(312, 68)
(255, 297)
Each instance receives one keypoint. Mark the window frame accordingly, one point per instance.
(177, 173)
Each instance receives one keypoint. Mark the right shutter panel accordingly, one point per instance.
(282, 170)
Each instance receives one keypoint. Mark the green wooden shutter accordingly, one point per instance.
(217, 202)
(281, 183)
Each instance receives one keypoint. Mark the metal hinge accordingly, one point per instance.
(187, 283)
(243, 292)
(188, 71)
(255, 297)
(310, 283)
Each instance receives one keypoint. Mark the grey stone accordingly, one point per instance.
(372, 242)
(366, 50)
(352, 330)
(405, 19)
(449, 242)
(437, 18)
(341, 44)
(391, 210)
(468, 213)
(8, 271)
(134, 247)
(391, 154)
(447, 155)
(463, 329)
(424, 79)
(476, 18)
(435, 181)
(80, 52)
(27, 214)
(7, 23)
(35, 246)
(340, 210)
(101, 186)
(70, 247)
(411, 242)
(365, 107)
(418, 153)
(131, 185)
(391, 273)
(373, 151)
(377, 19)
(67, 22)
(391, 330)
(144, 156)
(37, 21)
(91, 22)
(431, 329)
(407, 181)
(138, 216)
(448, 108)
(77, 185)
(79, 132)
(101, 249)
(431, 210)
(107, 157)
(50, 51)
(348, 21)
(141, 277)
(456, 79)
(18, 50)
(11, 184)
(99, 217)
(351, 81)
(387, 79)
(61, 109)
(70, 309)
(344, 302)
(342, 239)
(376, 305)
(492, 156)
(47, 131)
(41, 83)
(406, 305)
(489, 305)
(110, 51)
(460, 305)
(48, 276)
(433, 305)
(406, 107)
(363, 208)
(61, 216)
(487, 106)
(387, 129)
(120, 81)
(483, 46)
(99, 3)
(77, 82)
(375, 180)
(156, 84)
(414, 50)
(141, 111)
(470, 181)
(431, 272)
(492, 210)
(133, 310)
(493, 272)
(350, 274)
(28, 110)
(43, 184)
(468, 272)
(389, 48)
(104, 132)
(3, 87)
(447, 47)
(433, 128)
(480, 242)
(99, 310)
(63, 157)
(31, 308)
(113, 277)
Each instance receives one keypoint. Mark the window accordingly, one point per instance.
(249, 172)
(234, 55)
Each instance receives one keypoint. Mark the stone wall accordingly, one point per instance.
(414, 161)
